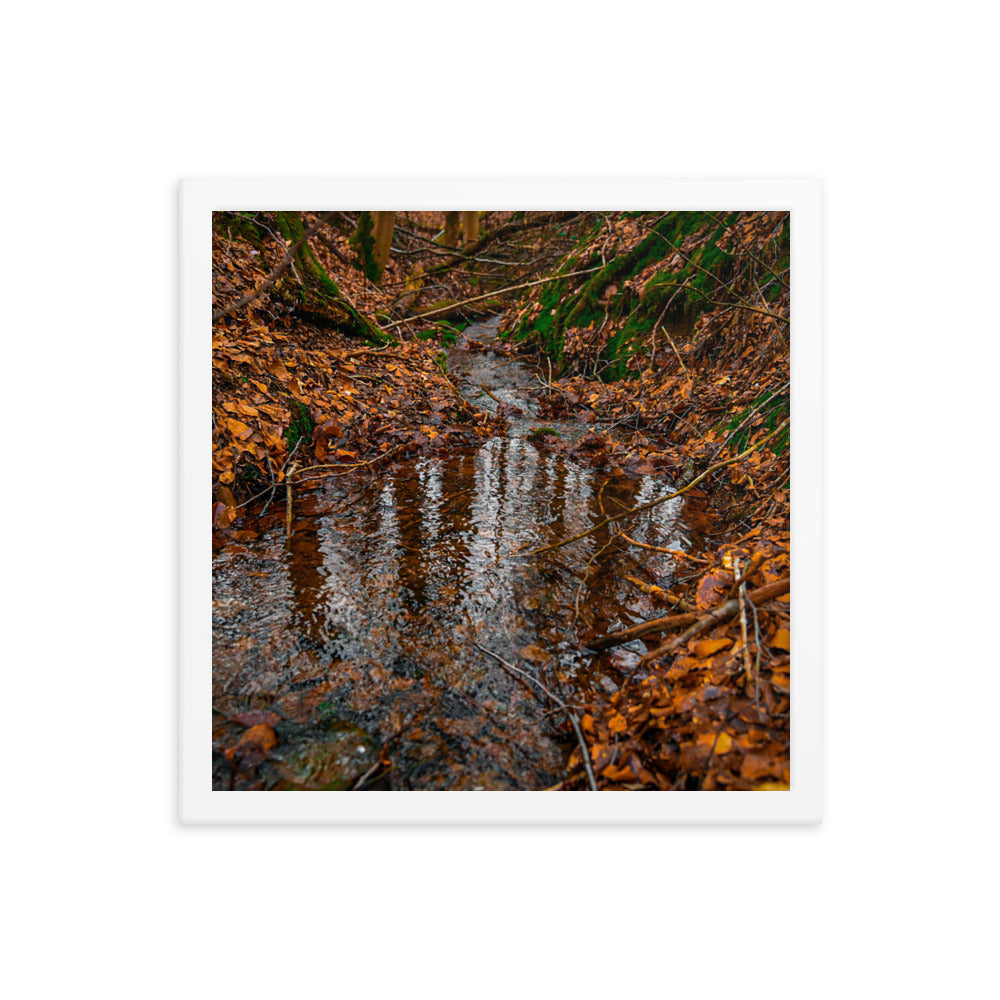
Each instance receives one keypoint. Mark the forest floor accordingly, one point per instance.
(698, 397)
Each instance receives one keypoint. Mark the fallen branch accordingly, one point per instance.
(654, 591)
(700, 622)
(489, 295)
(288, 502)
(659, 548)
(490, 394)
(584, 749)
(638, 631)
(721, 613)
(741, 593)
(346, 465)
(505, 230)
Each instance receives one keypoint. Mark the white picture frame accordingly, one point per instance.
(197, 802)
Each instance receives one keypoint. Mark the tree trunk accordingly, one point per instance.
(449, 237)
(363, 243)
(385, 223)
(470, 226)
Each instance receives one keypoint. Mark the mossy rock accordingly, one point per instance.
(330, 758)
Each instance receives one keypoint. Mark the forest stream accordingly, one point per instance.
(362, 642)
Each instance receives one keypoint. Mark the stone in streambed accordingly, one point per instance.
(326, 758)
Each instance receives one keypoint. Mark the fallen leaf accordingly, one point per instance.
(713, 588)
(706, 647)
(261, 735)
(617, 723)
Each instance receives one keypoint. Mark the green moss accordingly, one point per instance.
(239, 226)
(301, 426)
(363, 244)
(655, 246)
(318, 292)
(538, 433)
(773, 409)
(694, 284)
(443, 332)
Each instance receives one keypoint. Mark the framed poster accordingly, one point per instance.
(500, 501)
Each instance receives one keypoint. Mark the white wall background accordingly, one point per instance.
(891, 105)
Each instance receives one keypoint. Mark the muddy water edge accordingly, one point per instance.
(361, 643)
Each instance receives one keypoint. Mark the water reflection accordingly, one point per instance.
(390, 580)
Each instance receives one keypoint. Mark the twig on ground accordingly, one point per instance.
(741, 595)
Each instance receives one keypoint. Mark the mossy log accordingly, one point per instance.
(319, 294)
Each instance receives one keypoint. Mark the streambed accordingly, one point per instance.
(366, 635)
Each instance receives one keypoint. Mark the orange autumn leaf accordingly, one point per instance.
(617, 723)
(713, 588)
(782, 640)
(760, 764)
(238, 428)
(614, 772)
(223, 515)
(706, 647)
(261, 735)
(723, 743)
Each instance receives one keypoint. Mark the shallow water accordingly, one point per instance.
(366, 630)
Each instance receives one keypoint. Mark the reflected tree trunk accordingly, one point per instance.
(308, 580)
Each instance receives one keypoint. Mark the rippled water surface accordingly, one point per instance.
(364, 632)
